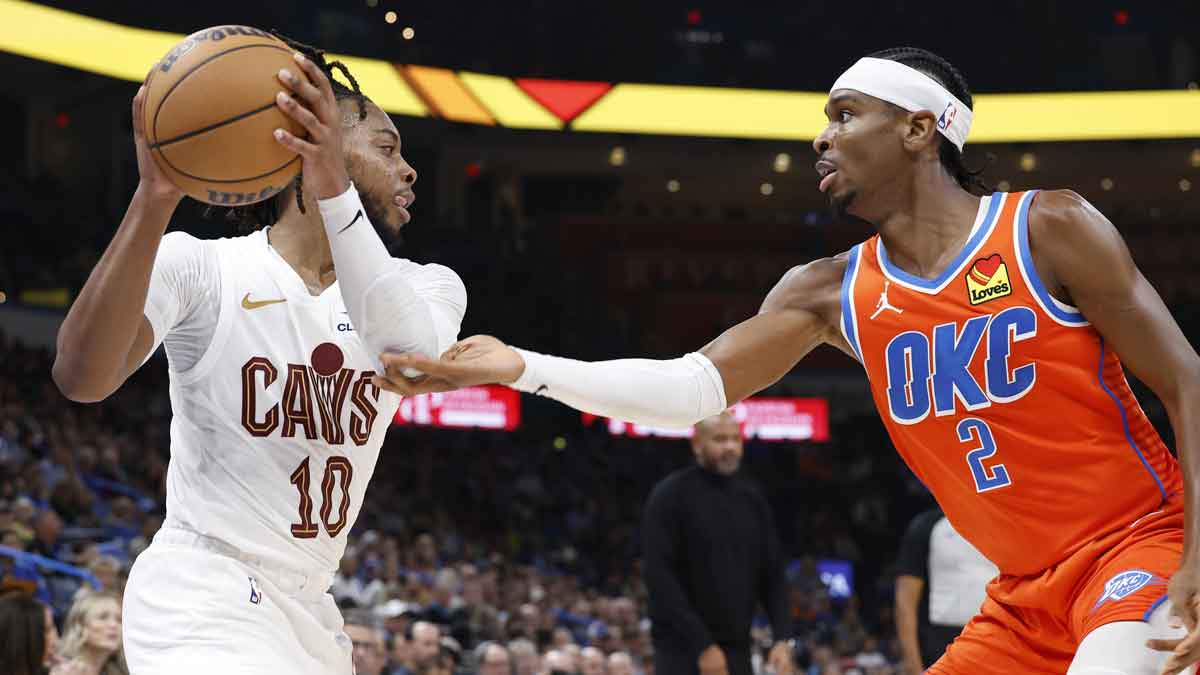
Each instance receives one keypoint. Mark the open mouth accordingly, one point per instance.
(825, 171)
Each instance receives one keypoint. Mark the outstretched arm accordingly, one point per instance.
(1086, 256)
(798, 315)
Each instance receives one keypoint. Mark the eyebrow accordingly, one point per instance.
(838, 100)
(389, 132)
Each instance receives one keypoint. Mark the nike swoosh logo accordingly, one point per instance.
(247, 303)
(356, 217)
(539, 390)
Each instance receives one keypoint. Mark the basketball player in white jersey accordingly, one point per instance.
(277, 425)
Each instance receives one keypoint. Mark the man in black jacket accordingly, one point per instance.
(711, 557)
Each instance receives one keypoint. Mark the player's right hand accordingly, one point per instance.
(153, 182)
(479, 359)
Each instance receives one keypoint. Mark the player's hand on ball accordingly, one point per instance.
(1184, 592)
(479, 359)
(309, 100)
(152, 182)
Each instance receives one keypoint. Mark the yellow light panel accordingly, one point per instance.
(446, 95)
(511, 106)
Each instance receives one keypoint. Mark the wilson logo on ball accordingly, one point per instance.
(235, 198)
(215, 34)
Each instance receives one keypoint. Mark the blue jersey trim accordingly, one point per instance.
(1146, 616)
(989, 221)
(849, 321)
(1125, 424)
(1059, 311)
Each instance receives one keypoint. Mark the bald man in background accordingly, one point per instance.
(620, 663)
(712, 556)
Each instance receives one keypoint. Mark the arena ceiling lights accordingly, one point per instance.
(127, 53)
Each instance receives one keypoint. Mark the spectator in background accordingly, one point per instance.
(47, 535)
(139, 543)
(122, 521)
(620, 663)
(398, 655)
(492, 658)
(24, 514)
(28, 637)
(367, 639)
(107, 571)
(351, 585)
(450, 656)
(91, 642)
(711, 556)
(524, 657)
(109, 466)
(591, 661)
(561, 638)
(424, 647)
(940, 584)
(557, 662)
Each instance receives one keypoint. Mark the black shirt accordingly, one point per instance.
(711, 557)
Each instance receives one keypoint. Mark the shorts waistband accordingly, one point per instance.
(298, 583)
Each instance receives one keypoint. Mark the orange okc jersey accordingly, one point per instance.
(1002, 399)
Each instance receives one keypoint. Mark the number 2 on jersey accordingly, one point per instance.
(337, 469)
(976, 430)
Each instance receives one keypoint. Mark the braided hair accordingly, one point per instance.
(948, 76)
(265, 213)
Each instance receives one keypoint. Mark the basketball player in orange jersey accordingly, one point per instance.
(276, 426)
(990, 328)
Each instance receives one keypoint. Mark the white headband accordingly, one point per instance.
(910, 89)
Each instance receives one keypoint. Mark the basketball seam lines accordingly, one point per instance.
(198, 66)
(154, 124)
(181, 172)
(214, 125)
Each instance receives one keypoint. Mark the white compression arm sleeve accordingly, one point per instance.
(387, 311)
(674, 393)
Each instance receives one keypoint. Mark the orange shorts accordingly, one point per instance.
(1034, 623)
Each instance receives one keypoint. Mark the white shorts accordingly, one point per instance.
(196, 605)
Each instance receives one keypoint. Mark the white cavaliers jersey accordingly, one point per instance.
(276, 426)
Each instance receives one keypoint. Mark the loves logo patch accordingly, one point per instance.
(988, 279)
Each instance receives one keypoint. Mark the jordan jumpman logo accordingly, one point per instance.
(883, 302)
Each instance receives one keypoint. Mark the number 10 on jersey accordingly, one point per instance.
(338, 470)
(975, 430)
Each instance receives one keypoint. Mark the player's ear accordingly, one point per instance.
(920, 130)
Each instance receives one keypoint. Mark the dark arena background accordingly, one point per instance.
(609, 179)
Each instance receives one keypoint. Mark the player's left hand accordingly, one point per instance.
(780, 659)
(1184, 593)
(479, 359)
(309, 100)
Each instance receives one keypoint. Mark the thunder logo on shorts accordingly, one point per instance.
(1126, 584)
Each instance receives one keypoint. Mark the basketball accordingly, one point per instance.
(210, 112)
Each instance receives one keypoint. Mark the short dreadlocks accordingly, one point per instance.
(265, 213)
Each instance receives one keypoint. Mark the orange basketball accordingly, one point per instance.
(210, 115)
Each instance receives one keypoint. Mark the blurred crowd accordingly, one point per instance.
(474, 548)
